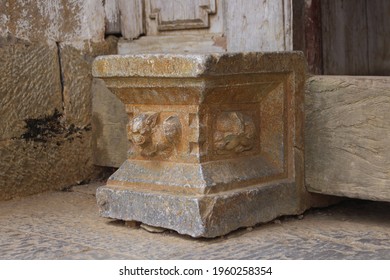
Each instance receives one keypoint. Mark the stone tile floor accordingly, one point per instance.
(66, 225)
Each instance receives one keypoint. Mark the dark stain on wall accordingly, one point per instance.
(53, 126)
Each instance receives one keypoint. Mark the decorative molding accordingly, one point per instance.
(201, 20)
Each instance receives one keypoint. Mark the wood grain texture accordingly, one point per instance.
(356, 37)
(233, 25)
(344, 30)
(299, 25)
(313, 36)
(170, 44)
(254, 25)
(348, 136)
(132, 21)
(184, 14)
(113, 23)
(191, 17)
(378, 21)
(307, 32)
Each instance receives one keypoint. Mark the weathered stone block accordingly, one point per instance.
(4, 18)
(347, 136)
(58, 158)
(109, 121)
(57, 21)
(30, 85)
(216, 140)
(45, 104)
(76, 61)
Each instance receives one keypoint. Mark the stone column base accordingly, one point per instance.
(216, 140)
(199, 215)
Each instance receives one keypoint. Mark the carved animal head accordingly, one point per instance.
(141, 128)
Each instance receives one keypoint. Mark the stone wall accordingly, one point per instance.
(46, 51)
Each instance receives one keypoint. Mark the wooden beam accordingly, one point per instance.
(132, 20)
(113, 23)
(347, 136)
(313, 36)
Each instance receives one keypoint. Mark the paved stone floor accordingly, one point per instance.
(66, 225)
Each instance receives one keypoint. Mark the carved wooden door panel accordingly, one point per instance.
(205, 25)
(171, 26)
(178, 14)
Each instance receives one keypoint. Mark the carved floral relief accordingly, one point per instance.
(234, 133)
(154, 137)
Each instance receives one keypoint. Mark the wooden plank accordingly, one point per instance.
(132, 21)
(347, 136)
(299, 25)
(170, 44)
(287, 25)
(253, 25)
(113, 24)
(313, 36)
(308, 33)
(344, 35)
(378, 20)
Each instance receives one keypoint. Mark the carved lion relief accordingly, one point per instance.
(235, 133)
(153, 137)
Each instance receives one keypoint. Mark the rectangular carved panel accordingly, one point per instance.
(183, 14)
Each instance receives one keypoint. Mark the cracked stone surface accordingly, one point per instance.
(66, 225)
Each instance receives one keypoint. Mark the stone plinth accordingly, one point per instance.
(216, 140)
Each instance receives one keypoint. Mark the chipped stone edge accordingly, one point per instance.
(203, 215)
(190, 65)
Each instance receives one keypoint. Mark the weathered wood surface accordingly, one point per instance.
(378, 21)
(234, 25)
(131, 18)
(170, 17)
(113, 23)
(184, 14)
(307, 32)
(344, 35)
(348, 136)
(355, 36)
(172, 44)
(253, 25)
(313, 36)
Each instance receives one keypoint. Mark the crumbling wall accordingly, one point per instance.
(46, 50)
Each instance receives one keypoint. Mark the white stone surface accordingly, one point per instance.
(52, 20)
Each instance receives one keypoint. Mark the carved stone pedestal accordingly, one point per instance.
(217, 140)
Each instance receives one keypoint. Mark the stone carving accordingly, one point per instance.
(153, 139)
(197, 122)
(235, 133)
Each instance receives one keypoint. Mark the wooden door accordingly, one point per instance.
(205, 25)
